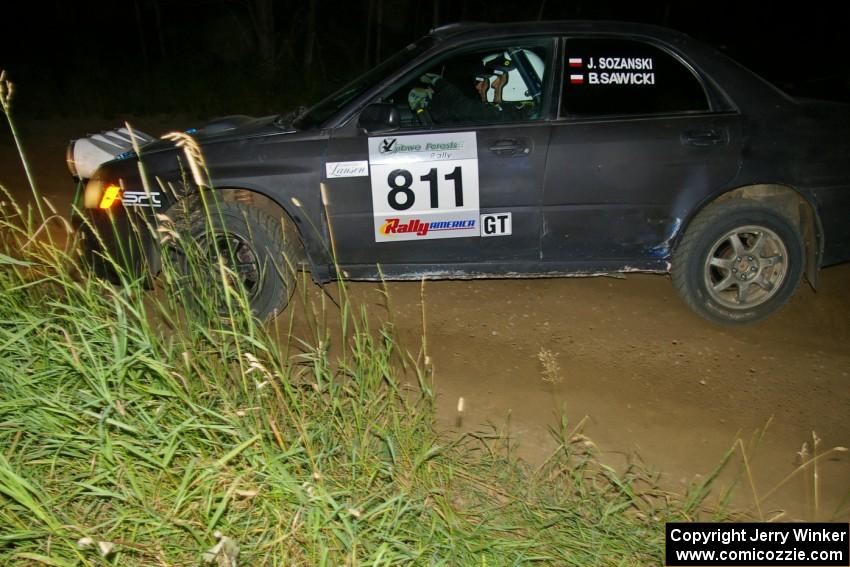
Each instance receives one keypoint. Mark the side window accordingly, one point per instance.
(620, 76)
(496, 84)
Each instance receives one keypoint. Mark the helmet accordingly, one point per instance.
(525, 74)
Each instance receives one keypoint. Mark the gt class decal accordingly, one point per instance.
(496, 224)
(424, 186)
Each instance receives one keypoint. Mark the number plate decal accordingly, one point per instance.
(424, 186)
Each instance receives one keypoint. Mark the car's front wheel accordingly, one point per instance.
(257, 251)
(738, 262)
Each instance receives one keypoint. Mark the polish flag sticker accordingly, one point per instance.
(575, 61)
(576, 79)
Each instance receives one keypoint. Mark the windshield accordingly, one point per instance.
(330, 105)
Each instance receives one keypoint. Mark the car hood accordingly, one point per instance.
(227, 129)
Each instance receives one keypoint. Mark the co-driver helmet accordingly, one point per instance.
(525, 74)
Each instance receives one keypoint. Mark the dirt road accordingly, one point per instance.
(653, 379)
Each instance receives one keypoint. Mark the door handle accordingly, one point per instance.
(703, 138)
(509, 147)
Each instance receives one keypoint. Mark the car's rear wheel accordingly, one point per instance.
(738, 262)
(258, 251)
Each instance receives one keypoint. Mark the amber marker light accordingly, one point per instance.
(111, 195)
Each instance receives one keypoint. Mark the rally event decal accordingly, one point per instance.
(424, 186)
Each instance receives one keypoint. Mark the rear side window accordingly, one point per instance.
(626, 77)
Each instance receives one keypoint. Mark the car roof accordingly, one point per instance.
(473, 30)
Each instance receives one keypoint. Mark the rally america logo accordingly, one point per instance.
(395, 226)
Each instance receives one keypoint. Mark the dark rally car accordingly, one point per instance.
(510, 150)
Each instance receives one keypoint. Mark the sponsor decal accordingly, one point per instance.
(421, 148)
(393, 146)
(576, 79)
(421, 228)
(141, 199)
(337, 169)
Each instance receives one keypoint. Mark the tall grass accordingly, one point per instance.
(123, 423)
(137, 431)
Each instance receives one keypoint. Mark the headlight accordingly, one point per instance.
(101, 195)
(69, 159)
(92, 193)
(85, 155)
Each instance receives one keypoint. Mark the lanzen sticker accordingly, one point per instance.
(424, 186)
(335, 169)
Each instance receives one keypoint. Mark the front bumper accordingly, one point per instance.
(119, 245)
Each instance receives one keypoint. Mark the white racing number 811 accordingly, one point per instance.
(424, 186)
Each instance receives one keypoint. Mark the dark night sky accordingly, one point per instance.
(209, 57)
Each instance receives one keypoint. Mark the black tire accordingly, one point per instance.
(738, 262)
(262, 250)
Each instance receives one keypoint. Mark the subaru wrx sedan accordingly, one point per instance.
(510, 150)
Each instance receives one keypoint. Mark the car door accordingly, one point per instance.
(638, 143)
(428, 196)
